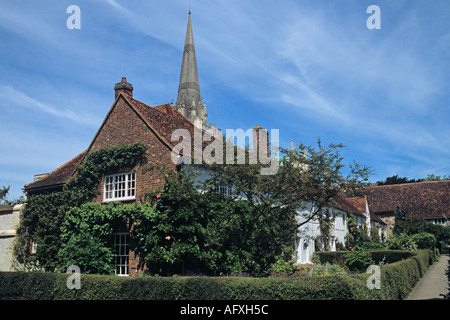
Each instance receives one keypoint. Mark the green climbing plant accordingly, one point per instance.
(45, 212)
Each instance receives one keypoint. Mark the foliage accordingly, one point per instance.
(281, 266)
(306, 175)
(378, 256)
(3, 197)
(326, 223)
(358, 259)
(396, 180)
(415, 225)
(356, 235)
(87, 233)
(83, 187)
(424, 240)
(400, 180)
(433, 177)
(32, 266)
(88, 252)
(45, 212)
(201, 231)
(372, 245)
(399, 214)
(41, 221)
(401, 241)
(3, 192)
(398, 279)
(374, 235)
(185, 226)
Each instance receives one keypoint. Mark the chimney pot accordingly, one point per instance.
(124, 87)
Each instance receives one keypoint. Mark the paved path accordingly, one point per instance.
(434, 282)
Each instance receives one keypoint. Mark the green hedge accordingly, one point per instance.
(389, 256)
(397, 280)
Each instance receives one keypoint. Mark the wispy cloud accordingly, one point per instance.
(20, 99)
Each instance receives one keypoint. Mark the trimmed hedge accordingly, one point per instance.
(397, 280)
(389, 256)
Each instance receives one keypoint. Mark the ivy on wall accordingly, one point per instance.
(45, 212)
(326, 225)
(87, 231)
(83, 186)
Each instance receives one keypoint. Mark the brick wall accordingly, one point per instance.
(124, 126)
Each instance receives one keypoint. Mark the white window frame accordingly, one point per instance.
(121, 253)
(119, 187)
(223, 189)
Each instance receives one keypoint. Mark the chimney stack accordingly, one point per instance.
(260, 140)
(124, 87)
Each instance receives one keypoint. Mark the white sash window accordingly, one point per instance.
(119, 187)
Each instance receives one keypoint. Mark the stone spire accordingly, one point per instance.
(189, 100)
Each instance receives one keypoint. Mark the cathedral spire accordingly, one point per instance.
(189, 100)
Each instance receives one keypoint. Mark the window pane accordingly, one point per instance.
(121, 253)
(120, 186)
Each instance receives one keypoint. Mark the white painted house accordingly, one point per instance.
(341, 208)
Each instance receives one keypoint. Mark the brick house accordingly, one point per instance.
(130, 120)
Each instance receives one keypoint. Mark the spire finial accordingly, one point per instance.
(189, 9)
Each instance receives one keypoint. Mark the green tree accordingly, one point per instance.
(395, 179)
(308, 178)
(433, 177)
(3, 192)
(253, 226)
(198, 230)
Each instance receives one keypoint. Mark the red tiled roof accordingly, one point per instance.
(355, 205)
(376, 218)
(421, 199)
(163, 120)
(58, 176)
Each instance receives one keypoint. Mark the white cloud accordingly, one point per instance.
(18, 98)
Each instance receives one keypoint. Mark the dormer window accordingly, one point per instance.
(119, 187)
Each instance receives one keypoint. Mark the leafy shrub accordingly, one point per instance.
(358, 259)
(443, 247)
(281, 266)
(401, 241)
(378, 256)
(87, 252)
(372, 245)
(424, 240)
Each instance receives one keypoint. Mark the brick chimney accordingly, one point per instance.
(260, 135)
(124, 87)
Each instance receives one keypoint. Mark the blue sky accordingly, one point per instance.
(308, 68)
